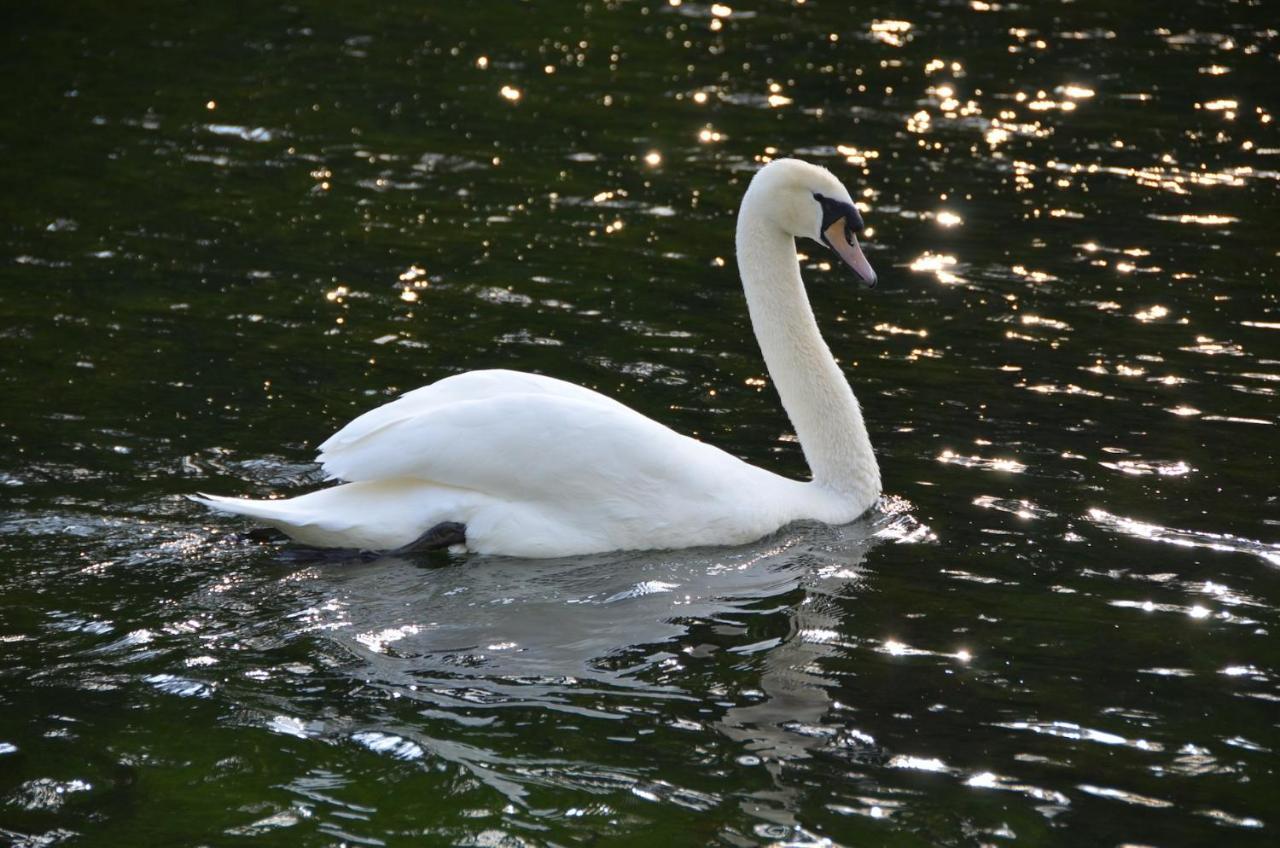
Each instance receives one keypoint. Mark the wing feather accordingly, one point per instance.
(468, 386)
(548, 447)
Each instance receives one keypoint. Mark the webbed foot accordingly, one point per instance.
(446, 534)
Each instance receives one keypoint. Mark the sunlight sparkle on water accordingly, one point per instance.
(1204, 220)
(1076, 92)
(1033, 276)
(894, 330)
(897, 649)
(1121, 795)
(918, 763)
(377, 641)
(891, 32)
(937, 264)
(856, 156)
(1011, 466)
(996, 136)
(1041, 321)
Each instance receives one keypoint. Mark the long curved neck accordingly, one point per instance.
(817, 398)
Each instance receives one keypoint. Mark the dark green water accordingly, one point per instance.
(226, 230)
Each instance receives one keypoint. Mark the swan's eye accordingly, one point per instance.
(840, 225)
(836, 210)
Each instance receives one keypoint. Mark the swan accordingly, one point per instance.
(505, 462)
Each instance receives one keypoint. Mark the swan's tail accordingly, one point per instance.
(272, 512)
(296, 517)
(375, 515)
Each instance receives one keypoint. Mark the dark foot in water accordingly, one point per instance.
(443, 535)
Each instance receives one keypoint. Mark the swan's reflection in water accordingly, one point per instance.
(787, 722)
(593, 642)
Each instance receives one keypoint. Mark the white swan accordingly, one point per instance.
(524, 465)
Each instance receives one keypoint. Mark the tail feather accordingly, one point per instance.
(376, 515)
(273, 512)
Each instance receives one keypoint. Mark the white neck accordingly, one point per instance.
(817, 398)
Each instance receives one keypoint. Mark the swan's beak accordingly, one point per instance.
(841, 239)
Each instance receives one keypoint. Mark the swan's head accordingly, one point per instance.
(807, 201)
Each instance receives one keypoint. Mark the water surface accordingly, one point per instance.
(227, 231)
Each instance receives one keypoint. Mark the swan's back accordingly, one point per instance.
(459, 388)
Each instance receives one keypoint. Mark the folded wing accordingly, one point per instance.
(528, 438)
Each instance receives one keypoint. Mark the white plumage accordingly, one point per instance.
(536, 467)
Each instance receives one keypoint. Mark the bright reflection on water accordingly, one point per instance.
(228, 234)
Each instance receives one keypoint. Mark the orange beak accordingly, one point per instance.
(840, 238)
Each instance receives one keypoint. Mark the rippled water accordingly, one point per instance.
(227, 231)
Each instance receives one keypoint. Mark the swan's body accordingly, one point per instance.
(535, 467)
